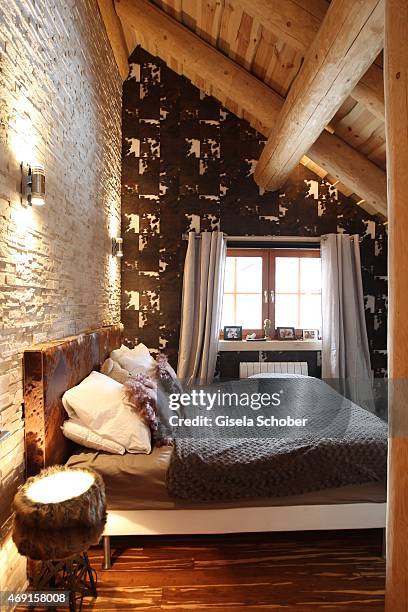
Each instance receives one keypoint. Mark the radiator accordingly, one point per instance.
(249, 368)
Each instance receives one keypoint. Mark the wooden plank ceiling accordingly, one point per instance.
(270, 43)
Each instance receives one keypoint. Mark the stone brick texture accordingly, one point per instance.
(60, 105)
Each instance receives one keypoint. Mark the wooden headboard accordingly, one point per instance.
(50, 369)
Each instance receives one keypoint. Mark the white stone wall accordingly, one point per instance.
(60, 105)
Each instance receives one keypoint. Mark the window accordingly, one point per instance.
(283, 285)
(244, 289)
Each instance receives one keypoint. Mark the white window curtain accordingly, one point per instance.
(203, 286)
(345, 351)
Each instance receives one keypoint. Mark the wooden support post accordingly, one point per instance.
(396, 112)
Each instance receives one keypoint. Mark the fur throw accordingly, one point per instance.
(85, 510)
(142, 394)
(166, 375)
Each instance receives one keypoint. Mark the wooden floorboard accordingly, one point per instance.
(291, 571)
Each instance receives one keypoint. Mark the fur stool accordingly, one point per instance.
(59, 514)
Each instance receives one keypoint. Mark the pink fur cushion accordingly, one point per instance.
(166, 375)
(141, 392)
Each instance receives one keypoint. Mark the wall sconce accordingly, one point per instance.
(32, 185)
(117, 247)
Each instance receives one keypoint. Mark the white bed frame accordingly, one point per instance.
(246, 519)
(242, 520)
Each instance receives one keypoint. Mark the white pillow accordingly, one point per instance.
(120, 352)
(112, 369)
(80, 434)
(136, 361)
(99, 403)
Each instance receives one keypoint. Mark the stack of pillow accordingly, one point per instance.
(117, 410)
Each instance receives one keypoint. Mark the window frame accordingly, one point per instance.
(274, 253)
(268, 256)
(263, 253)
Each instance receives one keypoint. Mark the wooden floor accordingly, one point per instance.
(308, 571)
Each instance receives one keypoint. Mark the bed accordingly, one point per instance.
(138, 501)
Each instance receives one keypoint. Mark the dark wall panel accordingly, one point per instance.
(188, 164)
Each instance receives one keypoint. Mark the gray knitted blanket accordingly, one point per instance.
(340, 444)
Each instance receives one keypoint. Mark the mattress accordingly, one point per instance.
(138, 482)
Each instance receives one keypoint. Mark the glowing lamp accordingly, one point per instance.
(59, 513)
(60, 486)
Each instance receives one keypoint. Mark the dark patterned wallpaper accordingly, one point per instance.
(187, 164)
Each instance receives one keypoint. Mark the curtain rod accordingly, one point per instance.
(264, 238)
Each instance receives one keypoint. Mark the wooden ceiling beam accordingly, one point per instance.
(197, 57)
(115, 34)
(297, 24)
(349, 39)
(352, 168)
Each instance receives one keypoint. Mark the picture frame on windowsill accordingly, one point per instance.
(310, 334)
(232, 332)
(285, 333)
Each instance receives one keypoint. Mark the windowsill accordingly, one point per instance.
(270, 345)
